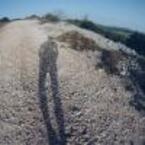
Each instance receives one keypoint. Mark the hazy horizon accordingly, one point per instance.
(119, 13)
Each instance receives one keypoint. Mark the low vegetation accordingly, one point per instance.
(110, 61)
(50, 18)
(78, 41)
(33, 17)
(137, 42)
(113, 33)
(4, 21)
(132, 39)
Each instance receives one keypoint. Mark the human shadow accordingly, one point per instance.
(47, 64)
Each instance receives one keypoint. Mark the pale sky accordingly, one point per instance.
(122, 13)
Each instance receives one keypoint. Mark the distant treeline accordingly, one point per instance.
(132, 39)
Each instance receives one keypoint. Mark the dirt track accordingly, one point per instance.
(19, 43)
(94, 105)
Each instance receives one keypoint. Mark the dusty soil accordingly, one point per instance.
(71, 102)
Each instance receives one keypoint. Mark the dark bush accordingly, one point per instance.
(33, 17)
(90, 26)
(50, 18)
(137, 42)
(87, 24)
(4, 20)
(110, 60)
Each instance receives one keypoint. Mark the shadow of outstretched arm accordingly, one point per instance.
(47, 64)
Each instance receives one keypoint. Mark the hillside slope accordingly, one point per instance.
(85, 106)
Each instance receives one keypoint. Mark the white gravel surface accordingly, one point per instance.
(95, 105)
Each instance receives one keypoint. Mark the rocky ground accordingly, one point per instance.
(55, 94)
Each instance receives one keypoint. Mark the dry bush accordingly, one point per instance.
(111, 61)
(77, 41)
